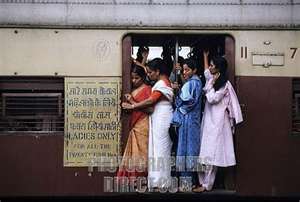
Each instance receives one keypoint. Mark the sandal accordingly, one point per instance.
(199, 189)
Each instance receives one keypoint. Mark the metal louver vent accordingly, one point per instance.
(296, 106)
(32, 105)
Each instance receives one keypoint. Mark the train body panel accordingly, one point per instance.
(70, 52)
(61, 52)
(267, 53)
(148, 13)
(46, 44)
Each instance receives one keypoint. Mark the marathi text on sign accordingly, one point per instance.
(92, 120)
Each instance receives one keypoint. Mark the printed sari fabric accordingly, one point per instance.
(135, 158)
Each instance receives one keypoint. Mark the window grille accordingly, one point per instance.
(296, 106)
(32, 105)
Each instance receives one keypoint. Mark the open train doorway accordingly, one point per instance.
(171, 47)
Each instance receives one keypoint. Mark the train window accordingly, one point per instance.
(155, 51)
(169, 46)
(31, 105)
(296, 106)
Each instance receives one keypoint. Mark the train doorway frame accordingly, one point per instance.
(228, 174)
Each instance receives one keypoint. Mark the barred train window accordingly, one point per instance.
(296, 106)
(32, 104)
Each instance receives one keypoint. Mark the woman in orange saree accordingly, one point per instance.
(135, 158)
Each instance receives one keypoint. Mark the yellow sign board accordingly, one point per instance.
(92, 120)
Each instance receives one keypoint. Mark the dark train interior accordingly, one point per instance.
(196, 44)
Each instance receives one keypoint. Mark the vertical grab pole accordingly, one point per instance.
(176, 58)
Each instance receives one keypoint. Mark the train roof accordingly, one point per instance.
(148, 14)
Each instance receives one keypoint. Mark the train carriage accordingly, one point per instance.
(56, 53)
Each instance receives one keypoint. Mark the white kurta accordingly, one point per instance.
(216, 141)
(159, 150)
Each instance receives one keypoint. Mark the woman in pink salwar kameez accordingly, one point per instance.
(221, 111)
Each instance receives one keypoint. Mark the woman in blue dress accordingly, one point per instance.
(187, 117)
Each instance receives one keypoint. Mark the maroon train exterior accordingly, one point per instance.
(51, 41)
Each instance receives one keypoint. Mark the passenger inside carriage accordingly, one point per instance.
(176, 76)
(142, 56)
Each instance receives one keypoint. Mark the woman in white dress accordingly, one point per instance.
(159, 148)
(221, 111)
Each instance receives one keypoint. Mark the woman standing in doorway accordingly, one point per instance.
(136, 149)
(159, 149)
(221, 110)
(187, 117)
